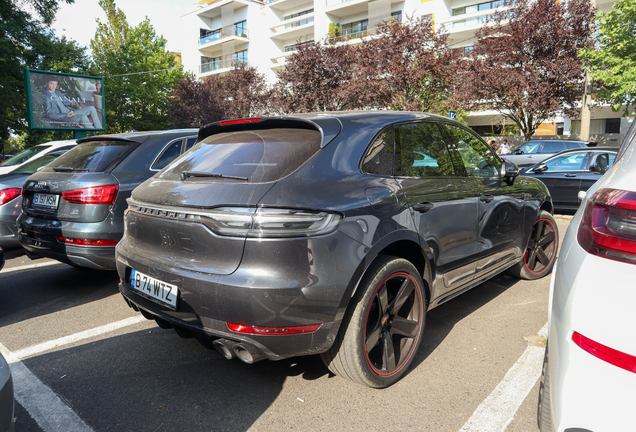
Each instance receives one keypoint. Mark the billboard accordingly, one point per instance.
(61, 101)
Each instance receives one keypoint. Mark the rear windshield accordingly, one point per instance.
(92, 156)
(24, 156)
(254, 156)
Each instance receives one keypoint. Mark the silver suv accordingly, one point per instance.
(536, 151)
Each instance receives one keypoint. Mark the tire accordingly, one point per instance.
(541, 252)
(544, 413)
(383, 327)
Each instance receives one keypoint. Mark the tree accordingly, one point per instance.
(407, 66)
(314, 78)
(525, 62)
(139, 74)
(613, 59)
(25, 42)
(241, 92)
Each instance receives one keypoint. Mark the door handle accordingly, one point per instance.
(570, 175)
(423, 207)
(486, 198)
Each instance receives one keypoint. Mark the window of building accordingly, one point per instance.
(358, 28)
(240, 57)
(478, 7)
(241, 29)
(613, 126)
(294, 47)
(397, 16)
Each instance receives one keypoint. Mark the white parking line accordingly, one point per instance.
(497, 411)
(30, 266)
(46, 408)
(36, 349)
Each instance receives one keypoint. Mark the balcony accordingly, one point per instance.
(210, 42)
(284, 5)
(342, 8)
(294, 28)
(213, 8)
(347, 35)
(220, 66)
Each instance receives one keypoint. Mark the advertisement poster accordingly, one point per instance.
(60, 101)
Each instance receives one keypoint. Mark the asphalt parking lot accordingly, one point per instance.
(83, 361)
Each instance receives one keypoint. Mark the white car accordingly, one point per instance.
(34, 152)
(589, 373)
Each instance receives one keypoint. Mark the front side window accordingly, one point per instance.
(476, 155)
(530, 147)
(422, 152)
(568, 162)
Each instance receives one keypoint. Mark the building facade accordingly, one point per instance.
(263, 34)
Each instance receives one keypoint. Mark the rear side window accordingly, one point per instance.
(24, 156)
(92, 156)
(553, 147)
(422, 151)
(169, 154)
(257, 155)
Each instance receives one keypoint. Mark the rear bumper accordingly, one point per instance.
(39, 237)
(265, 291)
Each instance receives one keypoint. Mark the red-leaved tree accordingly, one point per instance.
(525, 63)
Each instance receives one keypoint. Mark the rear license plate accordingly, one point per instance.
(154, 289)
(45, 200)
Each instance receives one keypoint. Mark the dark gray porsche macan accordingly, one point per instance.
(328, 234)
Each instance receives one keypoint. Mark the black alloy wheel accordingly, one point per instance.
(383, 327)
(541, 251)
(393, 324)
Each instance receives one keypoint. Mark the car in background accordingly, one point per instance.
(34, 152)
(328, 233)
(570, 172)
(535, 151)
(7, 402)
(5, 157)
(589, 370)
(73, 209)
(11, 195)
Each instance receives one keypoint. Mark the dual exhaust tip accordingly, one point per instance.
(231, 349)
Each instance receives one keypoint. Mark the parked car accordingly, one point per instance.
(571, 171)
(7, 404)
(11, 195)
(535, 151)
(4, 157)
(72, 210)
(589, 371)
(34, 152)
(1, 258)
(326, 234)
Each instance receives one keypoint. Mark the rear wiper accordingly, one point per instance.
(186, 174)
(66, 169)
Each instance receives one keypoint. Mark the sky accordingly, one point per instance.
(77, 21)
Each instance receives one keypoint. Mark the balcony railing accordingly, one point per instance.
(235, 31)
(221, 64)
(348, 34)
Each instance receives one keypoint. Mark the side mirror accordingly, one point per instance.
(511, 171)
(518, 151)
(541, 168)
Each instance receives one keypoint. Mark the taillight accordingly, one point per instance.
(607, 354)
(87, 242)
(7, 195)
(239, 121)
(608, 225)
(92, 195)
(239, 328)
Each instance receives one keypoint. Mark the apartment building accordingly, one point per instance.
(263, 34)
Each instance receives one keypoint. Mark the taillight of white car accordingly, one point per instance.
(608, 225)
